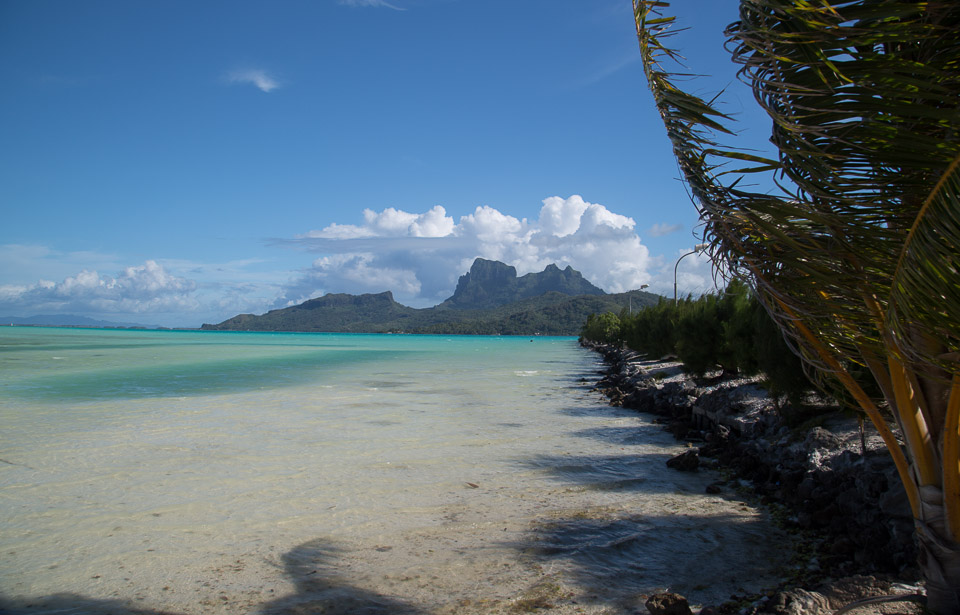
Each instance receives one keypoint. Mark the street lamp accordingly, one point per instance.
(642, 286)
(700, 247)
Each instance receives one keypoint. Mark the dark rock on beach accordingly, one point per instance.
(668, 604)
(685, 462)
(715, 488)
(846, 498)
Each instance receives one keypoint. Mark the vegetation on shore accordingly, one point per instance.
(730, 330)
(856, 257)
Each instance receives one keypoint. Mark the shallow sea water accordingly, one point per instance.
(213, 472)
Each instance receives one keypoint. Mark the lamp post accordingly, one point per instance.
(700, 247)
(642, 286)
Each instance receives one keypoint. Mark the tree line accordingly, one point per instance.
(728, 330)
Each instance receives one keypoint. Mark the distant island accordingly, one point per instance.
(490, 299)
(70, 320)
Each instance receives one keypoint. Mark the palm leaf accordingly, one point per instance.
(924, 301)
(859, 256)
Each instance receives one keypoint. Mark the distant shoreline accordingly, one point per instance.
(232, 331)
(105, 327)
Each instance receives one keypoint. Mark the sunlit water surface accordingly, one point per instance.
(213, 472)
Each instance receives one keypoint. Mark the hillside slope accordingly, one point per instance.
(489, 300)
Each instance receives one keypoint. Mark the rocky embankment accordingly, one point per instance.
(836, 487)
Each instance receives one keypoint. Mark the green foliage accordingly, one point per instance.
(782, 367)
(651, 330)
(699, 334)
(741, 328)
(604, 328)
(729, 330)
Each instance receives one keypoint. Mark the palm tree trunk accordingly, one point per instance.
(939, 558)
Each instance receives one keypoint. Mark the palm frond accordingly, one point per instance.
(924, 302)
(859, 257)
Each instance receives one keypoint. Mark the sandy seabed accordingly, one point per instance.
(593, 532)
(505, 491)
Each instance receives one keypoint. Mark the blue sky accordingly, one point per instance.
(181, 162)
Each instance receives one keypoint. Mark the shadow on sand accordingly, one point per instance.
(311, 566)
(703, 547)
(618, 561)
(321, 588)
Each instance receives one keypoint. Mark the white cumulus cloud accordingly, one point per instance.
(139, 289)
(253, 76)
(420, 256)
(391, 223)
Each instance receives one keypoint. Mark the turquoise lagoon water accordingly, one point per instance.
(219, 472)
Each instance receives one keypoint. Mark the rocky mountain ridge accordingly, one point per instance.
(492, 283)
(489, 299)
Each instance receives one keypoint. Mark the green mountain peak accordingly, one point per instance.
(489, 299)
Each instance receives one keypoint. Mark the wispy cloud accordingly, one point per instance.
(253, 76)
(370, 3)
(628, 59)
(659, 230)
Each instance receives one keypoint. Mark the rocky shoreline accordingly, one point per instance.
(830, 484)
